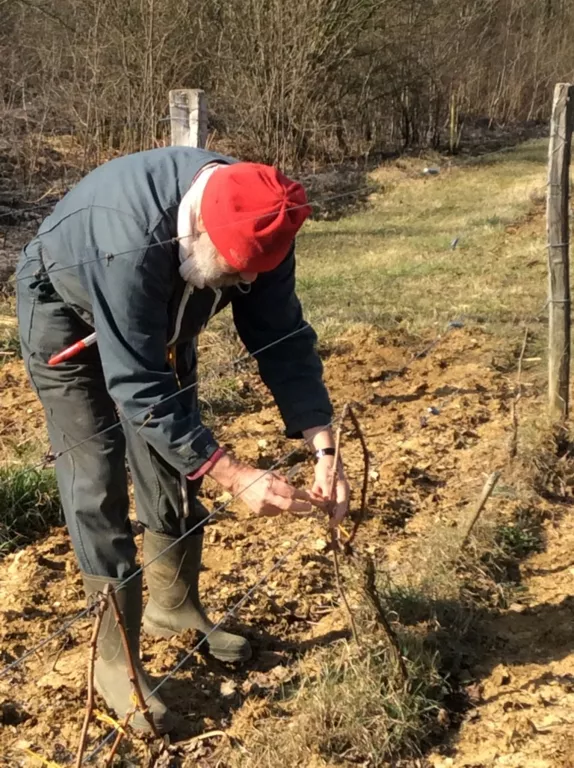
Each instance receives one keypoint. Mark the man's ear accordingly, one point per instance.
(199, 223)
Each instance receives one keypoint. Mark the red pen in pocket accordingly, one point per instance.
(72, 350)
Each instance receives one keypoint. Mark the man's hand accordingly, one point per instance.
(322, 437)
(322, 486)
(265, 493)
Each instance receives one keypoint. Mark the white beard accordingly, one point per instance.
(201, 265)
(201, 268)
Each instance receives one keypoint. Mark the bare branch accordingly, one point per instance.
(484, 496)
(517, 396)
(370, 589)
(101, 607)
(335, 546)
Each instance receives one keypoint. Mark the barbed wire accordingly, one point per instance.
(109, 257)
(15, 211)
(312, 203)
(43, 643)
(450, 163)
(149, 409)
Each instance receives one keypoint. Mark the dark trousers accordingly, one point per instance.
(92, 477)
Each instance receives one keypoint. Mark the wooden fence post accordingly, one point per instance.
(558, 230)
(188, 113)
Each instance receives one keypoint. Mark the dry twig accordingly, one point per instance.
(335, 546)
(101, 606)
(370, 589)
(369, 585)
(141, 702)
(361, 515)
(484, 496)
(517, 396)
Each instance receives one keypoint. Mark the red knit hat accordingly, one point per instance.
(252, 213)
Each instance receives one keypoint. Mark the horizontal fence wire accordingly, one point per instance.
(355, 192)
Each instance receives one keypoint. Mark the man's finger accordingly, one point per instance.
(338, 514)
(289, 492)
(318, 501)
(290, 505)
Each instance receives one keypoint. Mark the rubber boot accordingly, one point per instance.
(174, 603)
(111, 677)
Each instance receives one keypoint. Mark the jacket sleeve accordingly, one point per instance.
(292, 368)
(130, 295)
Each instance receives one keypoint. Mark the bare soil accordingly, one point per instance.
(434, 433)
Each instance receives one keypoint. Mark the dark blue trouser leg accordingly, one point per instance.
(92, 478)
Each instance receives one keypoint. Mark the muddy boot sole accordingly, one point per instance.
(230, 656)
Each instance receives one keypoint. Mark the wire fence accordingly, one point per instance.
(220, 508)
(356, 192)
(451, 162)
(176, 239)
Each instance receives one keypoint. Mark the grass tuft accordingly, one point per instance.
(352, 708)
(522, 537)
(29, 505)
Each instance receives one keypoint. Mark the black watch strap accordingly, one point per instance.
(324, 452)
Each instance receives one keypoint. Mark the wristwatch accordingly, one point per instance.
(324, 452)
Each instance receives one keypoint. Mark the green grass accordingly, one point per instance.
(521, 536)
(393, 263)
(29, 505)
(351, 707)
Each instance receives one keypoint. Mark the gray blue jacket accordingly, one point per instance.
(110, 253)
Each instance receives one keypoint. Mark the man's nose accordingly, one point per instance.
(248, 277)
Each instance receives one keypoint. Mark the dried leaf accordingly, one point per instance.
(228, 687)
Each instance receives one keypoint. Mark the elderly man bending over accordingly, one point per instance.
(143, 252)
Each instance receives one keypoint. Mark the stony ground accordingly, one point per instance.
(434, 433)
